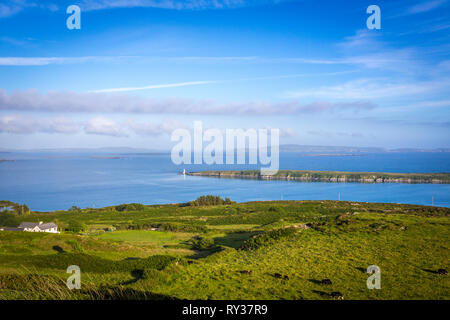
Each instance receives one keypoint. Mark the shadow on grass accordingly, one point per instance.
(321, 293)
(235, 239)
(58, 249)
(315, 281)
(117, 293)
(200, 254)
(92, 263)
(431, 271)
(137, 275)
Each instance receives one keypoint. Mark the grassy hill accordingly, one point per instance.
(255, 250)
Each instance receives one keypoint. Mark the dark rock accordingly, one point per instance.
(442, 271)
(245, 271)
(326, 282)
(277, 275)
(337, 295)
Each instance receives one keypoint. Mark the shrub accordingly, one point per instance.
(130, 207)
(8, 220)
(14, 208)
(210, 200)
(75, 209)
(178, 227)
(75, 226)
(201, 243)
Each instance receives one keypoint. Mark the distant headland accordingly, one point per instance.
(331, 176)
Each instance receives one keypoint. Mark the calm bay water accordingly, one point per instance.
(51, 181)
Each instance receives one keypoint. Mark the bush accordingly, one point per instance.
(75, 209)
(130, 207)
(8, 220)
(15, 208)
(75, 226)
(201, 243)
(178, 227)
(210, 200)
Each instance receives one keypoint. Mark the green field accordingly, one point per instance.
(255, 250)
(156, 237)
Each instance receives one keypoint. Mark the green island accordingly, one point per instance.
(213, 248)
(330, 176)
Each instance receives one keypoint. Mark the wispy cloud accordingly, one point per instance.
(370, 88)
(329, 134)
(425, 6)
(157, 86)
(172, 4)
(11, 7)
(387, 59)
(43, 61)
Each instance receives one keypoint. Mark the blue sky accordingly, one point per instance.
(136, 70)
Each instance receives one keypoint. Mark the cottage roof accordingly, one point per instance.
(46, 226)
(42, 226)
(28, 225)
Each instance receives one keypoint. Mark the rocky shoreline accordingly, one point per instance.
(332, 176)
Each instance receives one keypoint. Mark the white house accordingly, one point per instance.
(39, 227)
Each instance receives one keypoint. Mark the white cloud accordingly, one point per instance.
(58, 101)
(26, 125)
(155, 129)
(104, 126)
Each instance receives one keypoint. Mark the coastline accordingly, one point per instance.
(331, 176)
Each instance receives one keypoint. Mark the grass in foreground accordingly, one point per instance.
(256, 250)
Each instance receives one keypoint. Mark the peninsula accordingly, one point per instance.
(331, 176)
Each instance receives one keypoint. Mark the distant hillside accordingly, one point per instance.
(306, 148)
(283, 148)
(344, 149)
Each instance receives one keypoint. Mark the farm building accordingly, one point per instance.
(35, 227)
